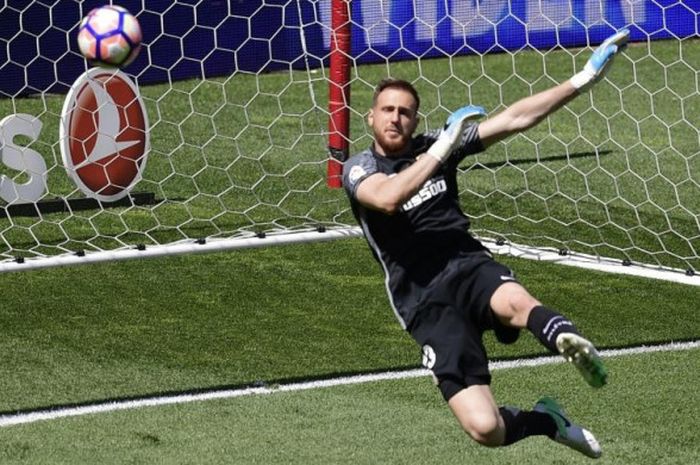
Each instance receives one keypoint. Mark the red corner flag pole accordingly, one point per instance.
(339, 91)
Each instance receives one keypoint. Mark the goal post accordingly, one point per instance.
(248, 112)
(339, 90)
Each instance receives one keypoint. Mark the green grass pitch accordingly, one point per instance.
(144, 328)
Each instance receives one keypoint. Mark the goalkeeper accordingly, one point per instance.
(443, 284)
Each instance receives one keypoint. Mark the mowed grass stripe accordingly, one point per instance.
(112, 406)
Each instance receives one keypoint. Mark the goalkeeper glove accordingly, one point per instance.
(600, 62)
(451, 135)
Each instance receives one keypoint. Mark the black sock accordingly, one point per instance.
(546, 325)
(521, 424)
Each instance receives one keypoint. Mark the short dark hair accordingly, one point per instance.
(394, 83)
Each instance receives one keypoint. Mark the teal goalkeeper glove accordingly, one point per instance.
(600, 62)
(451, 134)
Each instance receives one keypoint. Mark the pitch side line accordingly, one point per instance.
(53, 414)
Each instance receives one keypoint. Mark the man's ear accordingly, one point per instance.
(370, 117)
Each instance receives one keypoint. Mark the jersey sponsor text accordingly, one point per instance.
(430, 189)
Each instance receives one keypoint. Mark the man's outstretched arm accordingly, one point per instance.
(528, 112)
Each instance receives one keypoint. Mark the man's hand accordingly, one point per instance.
(601, 60)
(451, 134)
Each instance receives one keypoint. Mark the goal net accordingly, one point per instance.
(243, 100)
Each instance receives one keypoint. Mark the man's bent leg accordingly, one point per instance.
(492, 426)
(513, 305)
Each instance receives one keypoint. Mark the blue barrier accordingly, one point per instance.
(38, 51)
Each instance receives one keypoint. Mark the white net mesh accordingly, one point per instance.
(236, 95)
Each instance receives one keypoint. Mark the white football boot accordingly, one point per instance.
(568, 433)
(581, 353)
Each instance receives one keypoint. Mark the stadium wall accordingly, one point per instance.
(186, 39)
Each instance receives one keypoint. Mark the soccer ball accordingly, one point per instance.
(109, 36)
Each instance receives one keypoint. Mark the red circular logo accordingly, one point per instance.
(104, 134)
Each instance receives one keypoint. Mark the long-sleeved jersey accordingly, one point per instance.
(415, 244)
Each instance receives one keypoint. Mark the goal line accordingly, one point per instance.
(591, 262)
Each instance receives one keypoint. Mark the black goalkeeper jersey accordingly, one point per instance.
(414, 245)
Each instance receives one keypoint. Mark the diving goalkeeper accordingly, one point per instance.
(443, 284)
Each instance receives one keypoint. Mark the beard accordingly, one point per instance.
(391, 145)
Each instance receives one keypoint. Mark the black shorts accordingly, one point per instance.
(452, 318)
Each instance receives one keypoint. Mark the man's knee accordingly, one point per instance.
(512, 304)
(485, 428)
(478, 415)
